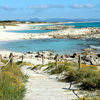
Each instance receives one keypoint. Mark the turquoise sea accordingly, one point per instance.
(32, 31)
(62, 46)
(84, 25)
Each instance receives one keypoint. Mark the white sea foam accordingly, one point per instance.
(95, 47)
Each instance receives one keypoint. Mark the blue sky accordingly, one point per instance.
(43, 9)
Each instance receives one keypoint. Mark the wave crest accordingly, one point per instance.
(95, 47)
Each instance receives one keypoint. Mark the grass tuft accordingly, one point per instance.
(88, 76)
(12, 83)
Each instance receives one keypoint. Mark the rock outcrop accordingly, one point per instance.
(76, 33)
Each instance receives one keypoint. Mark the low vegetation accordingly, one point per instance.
(14, 23)
(87, 78)
(8, 23)
(12, 83)
(86, 98)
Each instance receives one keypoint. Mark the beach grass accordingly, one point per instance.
(8, 23)
(12, 83)
(87, 78)
(86, 98)
(14, 23)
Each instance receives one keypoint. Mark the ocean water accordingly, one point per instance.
(61, 46)
(35, 29)
(32, 31)
(84, 25)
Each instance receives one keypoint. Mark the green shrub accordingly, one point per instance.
(62, 66)
(92, 82)
(50, 66)
(88, 76)
(12, 83)
(86, 98)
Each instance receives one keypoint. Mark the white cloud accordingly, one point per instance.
(90, 6)
(40, 7)
(6, 8)
(83, 6)
(46, 6)
(78, 6)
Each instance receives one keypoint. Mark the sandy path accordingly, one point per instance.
(42, 87)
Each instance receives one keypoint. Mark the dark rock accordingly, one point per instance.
(38, 56)
(4, 57)
(66, 56)
(90, 59)
(75, 55)
(98, 55)
(29, 52)
(56, 56)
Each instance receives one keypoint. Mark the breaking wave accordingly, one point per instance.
(95, 47)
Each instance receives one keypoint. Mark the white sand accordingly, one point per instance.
(39, 86)
(5, 36)
(29, 58)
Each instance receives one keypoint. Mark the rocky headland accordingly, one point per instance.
(71, 33)
(76, 33)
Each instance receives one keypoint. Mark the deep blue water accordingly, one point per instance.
(84, 25)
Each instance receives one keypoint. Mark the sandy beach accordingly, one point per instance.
(40, 85)
(49, 50)
(11, 36)
(6, 36)
(66, 33)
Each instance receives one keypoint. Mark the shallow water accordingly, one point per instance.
(32, 31)
(84, 25)
(61, 46)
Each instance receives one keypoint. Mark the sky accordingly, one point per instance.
(44, 9)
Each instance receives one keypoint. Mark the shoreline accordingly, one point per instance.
(66, 33)
(70, 33)
(34, 58)
(8, 36)
(88, 56)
